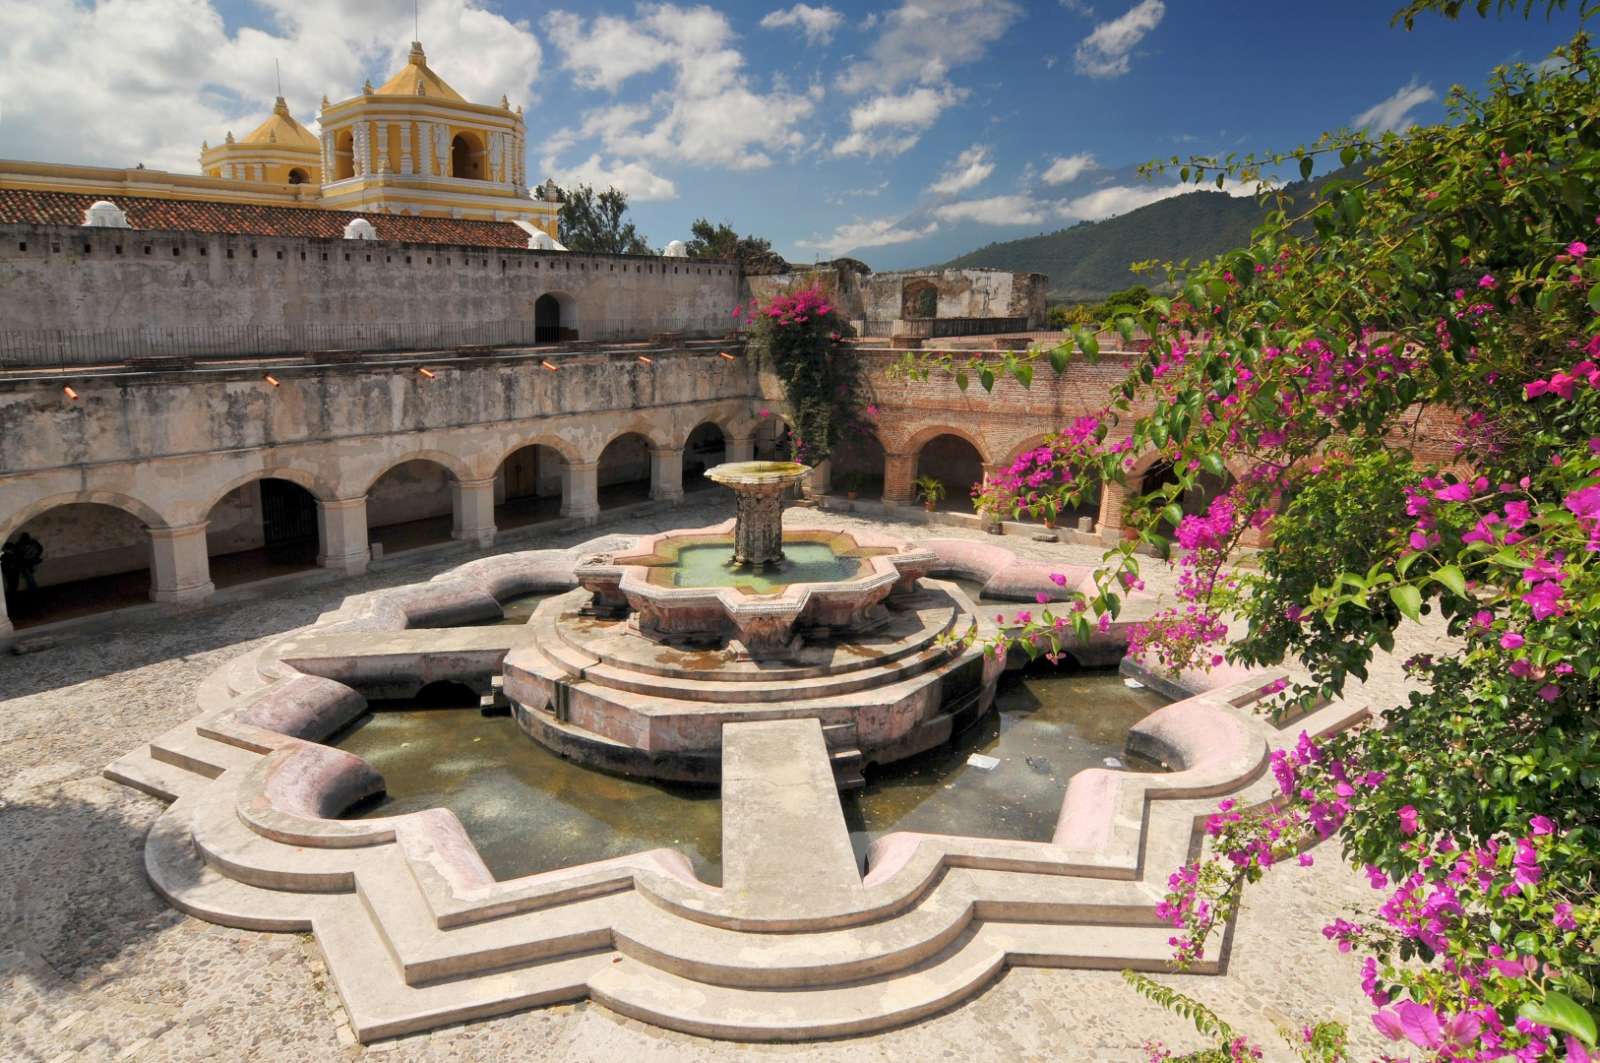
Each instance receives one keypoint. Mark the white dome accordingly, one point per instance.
(676, 249)
(105, 214)
(360, 229)
(543, 241)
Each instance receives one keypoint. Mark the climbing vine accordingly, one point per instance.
(798, 334)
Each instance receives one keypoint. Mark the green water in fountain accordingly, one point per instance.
(710, 565)
(1046, 726)
(526, 809)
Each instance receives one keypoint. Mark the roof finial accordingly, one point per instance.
(416, 23)
(278, 72)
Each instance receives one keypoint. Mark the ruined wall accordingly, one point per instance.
(81, 279)
(961, 293)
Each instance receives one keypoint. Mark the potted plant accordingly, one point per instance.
(852, 484)
(930, 489)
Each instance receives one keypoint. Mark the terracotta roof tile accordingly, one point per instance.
(29, 207)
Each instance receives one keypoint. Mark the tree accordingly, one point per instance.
(593, 222)
(753, 253)
(1448, 287)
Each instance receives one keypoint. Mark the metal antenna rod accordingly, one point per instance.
(416, 21)
(279, 73)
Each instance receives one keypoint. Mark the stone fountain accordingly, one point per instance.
(758, 489)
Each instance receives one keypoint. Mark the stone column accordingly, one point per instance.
(405, 147)
(741, 448)
(820, 479)
(6, 631)
(899, 472)
(180, 567)
(342, 535)
(580, 489)
(666, 474)
(473, 505)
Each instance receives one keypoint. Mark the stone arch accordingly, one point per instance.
(532, 481)
(564, 447)
(298, 176)
(705, 447)
(1088, 506)
(413, 501)
(147, 513)
(771, 437)
(96, 558)
(919, 299)
(265, 524)
(656, 436)
(859, 465)
(320, 490)
(555, 317)
(467, 156)
(625, 467)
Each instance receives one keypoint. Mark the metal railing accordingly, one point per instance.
(941, 327)
(61, 347)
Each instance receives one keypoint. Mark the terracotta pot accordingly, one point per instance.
(1049, 522)
(929, 506)
(851, 495)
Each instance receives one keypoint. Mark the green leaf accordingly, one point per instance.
(1450, 576)
(1023, 371)
(1086, 342)
(1174, 514)
(1305, 168)
(1212, 463)
(1407, 599)
(1594, 298)
(1347, 155)
(1560, 1012)
(962, 380)
(1059, 357)
(986, 378)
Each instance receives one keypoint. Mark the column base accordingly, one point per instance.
(348, 564)
(583, 513)
(482, 537)
(183, 594)
(668, 496)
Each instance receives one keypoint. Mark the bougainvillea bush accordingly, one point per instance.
(798, 333)
(1403, 375)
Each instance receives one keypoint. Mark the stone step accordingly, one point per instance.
(245, 856)
(381, 1005)
(180, 874)
(969, 963)
(184, 748)
(165, 782)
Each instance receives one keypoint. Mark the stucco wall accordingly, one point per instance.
(961, 293)
(80, 279)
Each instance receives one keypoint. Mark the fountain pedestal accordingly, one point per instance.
(758, 488)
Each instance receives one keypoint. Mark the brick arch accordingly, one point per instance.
(914, 444)
(1033, 442)
(145, 512)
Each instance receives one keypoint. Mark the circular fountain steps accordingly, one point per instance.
(592, 692)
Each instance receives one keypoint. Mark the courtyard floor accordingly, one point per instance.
(93, 965)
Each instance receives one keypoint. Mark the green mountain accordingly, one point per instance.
(1089, 261)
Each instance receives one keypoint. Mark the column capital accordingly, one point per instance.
(179, 531)
(334, 504)
(489, 482)
(583, 466)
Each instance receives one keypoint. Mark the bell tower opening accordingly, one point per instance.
(466, 157)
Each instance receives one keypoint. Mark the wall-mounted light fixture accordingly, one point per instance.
(725, 354)
(425, 371)
(548, 364)
(71, 393)
(646, 359)
(272, 380)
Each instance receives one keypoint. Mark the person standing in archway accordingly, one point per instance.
(29, 552)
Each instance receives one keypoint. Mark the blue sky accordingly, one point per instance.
(901, 132)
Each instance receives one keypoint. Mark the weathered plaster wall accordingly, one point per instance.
(961, 293)
(80, 279)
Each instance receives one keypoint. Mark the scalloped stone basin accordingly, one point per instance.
(758, 488)
(764, 614)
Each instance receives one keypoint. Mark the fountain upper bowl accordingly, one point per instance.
(757, 473)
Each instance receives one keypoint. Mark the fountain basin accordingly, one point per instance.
(758, 489)
(763, 614)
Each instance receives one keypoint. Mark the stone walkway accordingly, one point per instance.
(93, 965)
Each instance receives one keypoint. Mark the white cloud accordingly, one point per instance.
(638, 182)
(1064, 168)
(890, 124)
(1106, 51)
(996, 210)
(881, 232)
(966, 171)
(116, 82)
(1394, 113)
(711, 115)
(1078, 7)
(923, 40)
(1116, 199)
(817, 23)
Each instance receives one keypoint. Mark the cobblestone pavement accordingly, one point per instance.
(93, 965)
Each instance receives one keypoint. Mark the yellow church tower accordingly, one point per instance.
(280, 151)
(415, 146)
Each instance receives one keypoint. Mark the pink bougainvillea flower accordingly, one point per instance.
(1058, 578)
(1042, 598)
(1511, 641)
(1408, 820)
(1487, 281)
(1577, 249)
(1540, 826)
(765, 412)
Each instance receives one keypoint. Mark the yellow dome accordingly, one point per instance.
(281, 129)
(418, 79)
